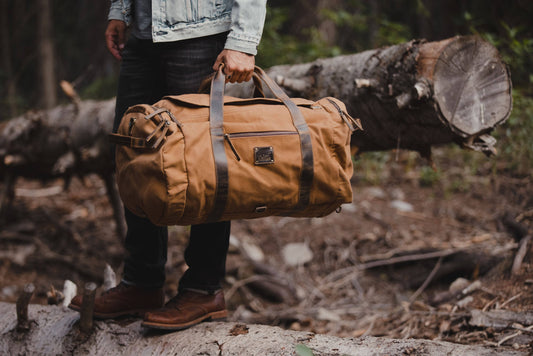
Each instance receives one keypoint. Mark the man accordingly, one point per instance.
(172, 47)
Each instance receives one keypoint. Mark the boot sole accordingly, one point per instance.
(102, 316)
(214, 316)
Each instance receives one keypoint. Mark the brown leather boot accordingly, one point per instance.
(187, 309)
(123, 300)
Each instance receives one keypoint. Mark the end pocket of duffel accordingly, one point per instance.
(150, 165)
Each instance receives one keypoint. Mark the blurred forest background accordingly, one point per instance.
(45, 41)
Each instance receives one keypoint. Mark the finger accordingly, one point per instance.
(218, 62)
(117, 55)
(112, 46)
(243, 76)
(235, 77)
(113, 50)
(120, 39)
(249, 76)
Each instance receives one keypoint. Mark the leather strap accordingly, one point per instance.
(130, 141)
(306, 147)
(216, 120)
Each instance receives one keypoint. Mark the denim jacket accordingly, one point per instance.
(174, 20)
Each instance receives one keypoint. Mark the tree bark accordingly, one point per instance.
(62, 142)
(46, 55)
(55, 332)
(413, 95)
(11, 89)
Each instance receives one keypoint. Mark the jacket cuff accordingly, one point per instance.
(241, 45)
(118, 11)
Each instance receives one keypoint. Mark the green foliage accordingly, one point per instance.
(303, 350)
(101, 88)
(392, 33)
(515, 45)
(515, 141)
(517, 52)
(370, 167)
(429, 176)
(279, 47)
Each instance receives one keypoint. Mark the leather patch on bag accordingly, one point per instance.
(264, 155)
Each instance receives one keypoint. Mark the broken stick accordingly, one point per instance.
(23, 323)
(87, 308)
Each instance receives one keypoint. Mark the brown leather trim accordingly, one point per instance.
(307, 173)
(130, 141)
(216, 120)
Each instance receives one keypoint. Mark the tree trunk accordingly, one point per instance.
(11, 91)
(46, 55)
(63, 142)
(413, 95)
(55, 331)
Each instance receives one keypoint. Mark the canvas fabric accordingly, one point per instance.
(167, 170)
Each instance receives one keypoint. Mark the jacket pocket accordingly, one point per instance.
(191, 11)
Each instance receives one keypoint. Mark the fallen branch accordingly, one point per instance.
(23, 322)
(87, 308)
(55, 335)
(427, 281)
(499, 319)
(407, 258)
(520, 254)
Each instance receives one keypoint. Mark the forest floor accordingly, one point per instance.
(419, 254)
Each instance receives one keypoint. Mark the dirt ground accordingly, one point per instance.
(415, 256)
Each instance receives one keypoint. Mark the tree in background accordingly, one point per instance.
(296, 31)
(45, 42)
(73, 36)
(7, 73)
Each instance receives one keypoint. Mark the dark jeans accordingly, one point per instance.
(148, 72)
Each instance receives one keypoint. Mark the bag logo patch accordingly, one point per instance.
(264, 155)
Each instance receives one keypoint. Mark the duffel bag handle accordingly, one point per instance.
(216, 121)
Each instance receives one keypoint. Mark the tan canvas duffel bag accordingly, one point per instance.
(199, 158)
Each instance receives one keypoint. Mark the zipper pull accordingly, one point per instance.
(353, 124)
(132, 123)
(226, 136)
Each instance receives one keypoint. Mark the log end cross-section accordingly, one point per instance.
(413, 95)
(471, 86)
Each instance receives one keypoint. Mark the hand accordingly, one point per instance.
(114, 37)
(238, 66)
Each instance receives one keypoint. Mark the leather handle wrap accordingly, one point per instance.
(216, 120)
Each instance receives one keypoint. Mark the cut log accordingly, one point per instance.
(413, 95)
(69, 140)
(55, 334)
(500, 319)
(62, 142)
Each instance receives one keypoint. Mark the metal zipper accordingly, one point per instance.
(132, 123)
(347, 119)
